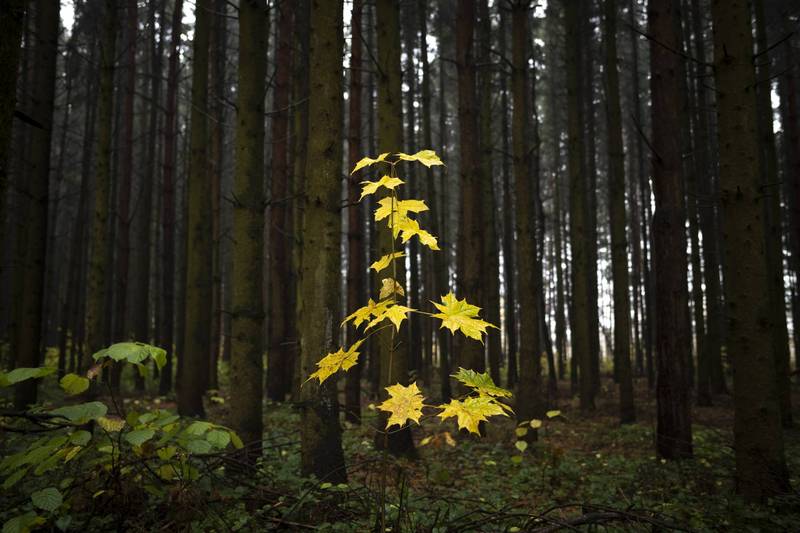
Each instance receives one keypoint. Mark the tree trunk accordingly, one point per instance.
(356, 279)
(168, 203)
(27, 337)
(529, 403)
(393, 358)
(193, 375)
(619, 248)
(758, 440)
(247, 320)
(673, 430)
(318, 295)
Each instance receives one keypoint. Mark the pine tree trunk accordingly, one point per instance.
(619, 248)
(193, 373)
(27, 337)
(393, 358)
(356, 279)
(167, 340)
(247, 320)
(529, 394)
(758, 440)
(318, 291)
(673, 430)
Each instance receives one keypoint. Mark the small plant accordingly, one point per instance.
(405, 403)
(96, 458)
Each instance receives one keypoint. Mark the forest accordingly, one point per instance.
(399, 265)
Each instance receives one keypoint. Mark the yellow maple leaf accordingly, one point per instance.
(385, 261)
(389, 287)
(408, 227)
(395, 313)
(458, 315)
(367, 161)
(364, 313)
(371, 186)
(469, 412)
(399, 209)
(426, 157)
(404, 403)
(333, 362)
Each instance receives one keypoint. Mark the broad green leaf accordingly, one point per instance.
(111, 424)
(218, 438)
(138, 437)
(199, 427)
(333, 362)
(80, 437)
(132, 352)
(159, 356)
(370, 187)
(404, 403)
(385, 261)
(426, 157)
(12, 480)
(166, 453)
(469, 412)
(198, 446)
(82, 412)
(74, 384)
(482, 383)
(21, 374)
(48, 499)
(389, 287)
(23, 523)
(458, 315)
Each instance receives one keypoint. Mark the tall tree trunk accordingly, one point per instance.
(356, 279)
(318, 294)
(674, 429)
(758, 440)
(168, 203)
(529, 393)
(619, 248)
(199, 248)
(27, 337)
(280, 325)
(579, 228)
(96, 318)
(247, 321)
(773, 218)
(393, 358)
(490, 274)
(470, 237)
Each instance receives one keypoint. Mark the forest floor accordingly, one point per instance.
(584, 471)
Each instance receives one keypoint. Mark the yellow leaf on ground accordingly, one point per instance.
(426, 157)
(333, 362)
(371, 186)
(471, 411)
(385, 261)
(389, 287)
(404, 403)
(458, 315)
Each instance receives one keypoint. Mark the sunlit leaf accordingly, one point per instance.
(385, 261)
(370, 187)
(362, 314)
(389, 287)
(333, 362)
(404, 403)
(111, 424)
(367, 161)
(74, 384)
(482, 383)
(458, 315)
(469, 412)
(21, 374)
(426, 157)
(553, 414)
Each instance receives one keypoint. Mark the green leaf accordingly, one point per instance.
(21, 374)
(12, 480)
(521, 445)
(74, 384)
(139, 436)
(166, 453)
(516, 459)
(237, 442)
(132, 352)
(82, 412)
(482, 383)
(48, 499)
(80, 438)
(159, 357)
(23, 523)
(198, 446)
(553, 414)
(199, 428)
(218, 438)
